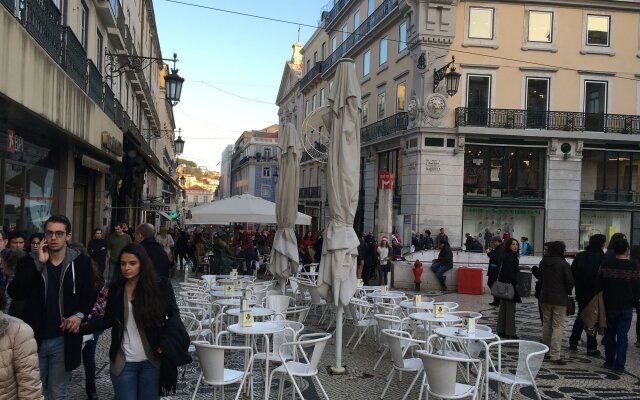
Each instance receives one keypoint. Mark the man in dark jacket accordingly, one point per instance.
(619, 280)
(98, 248)
(145, 234)
(585, 272)
(369, 258)
(58, 289)
(494, 255)
(443, 263)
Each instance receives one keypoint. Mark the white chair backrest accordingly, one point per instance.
(212, 360)
(192, 325)
(451, 305)
(440, 372)
(297, 313)
(316, 299)
(387, 308)
(530, 356)
(319, 342)
(210, 279)
(278, 303)
(386, 321)
(394, 338)
(360, 309)
(293, 282)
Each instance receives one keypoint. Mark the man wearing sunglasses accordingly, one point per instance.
(56, 284)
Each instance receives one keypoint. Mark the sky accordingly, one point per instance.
(232, 65)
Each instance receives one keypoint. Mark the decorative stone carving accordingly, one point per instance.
(460, 144)
(436, 105)
(553, 150)
(579, 148)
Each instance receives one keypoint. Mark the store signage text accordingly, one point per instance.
(504, 211)
(15, 143)
(155, 207)
(433, 165)
(111, 144)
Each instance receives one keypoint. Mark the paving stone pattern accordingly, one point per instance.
(582, 378)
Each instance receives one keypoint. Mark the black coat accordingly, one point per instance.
(556, 281)
(158, 256)
(509, 273)
(172, 337)
(76, 295)
(98, 249)
(585, 273)
(495, 257)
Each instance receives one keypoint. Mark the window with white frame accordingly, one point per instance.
(595, 103)
(480, 27)
(345, 32)
(537, 102)
(598, 27)
(323, 51)
(267, 153)
(266, 172)
(356, 19)
(365, 113)
(84, 25)
(321, 97)
(540, 26)
(401, 96)
(306, 108)
(382, 99)
(478, 99)
(480, 23)
(366, 63)
(382, 50)
(265, 191)
(313, 102)
(315, 57)
(334, 43)
(99, 50)
(402, 36)
(371, 7)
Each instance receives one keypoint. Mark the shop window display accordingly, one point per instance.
(511, 172)
(604, 222)
(610, 176)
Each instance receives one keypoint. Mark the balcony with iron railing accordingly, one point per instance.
(95, 87)
(310, 192)
(547, 120)
(9, 5)
(611, 195)
(41, 18)
(328, 17)
(385, 127)
(321, 148)
(311, 76)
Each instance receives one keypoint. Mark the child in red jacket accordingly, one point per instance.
(417, 274)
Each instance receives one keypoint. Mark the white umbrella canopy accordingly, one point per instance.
(241, 208)
(284, 253)
(337, 276)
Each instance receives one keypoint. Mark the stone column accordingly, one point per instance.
(563, 184)
(370, 188)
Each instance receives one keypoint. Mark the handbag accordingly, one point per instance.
(502, 290)
(571, 305)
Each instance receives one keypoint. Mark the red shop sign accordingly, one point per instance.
(385, 180)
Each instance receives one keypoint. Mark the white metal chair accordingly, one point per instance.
(278, 303)
(290, 334)
(499, 368)
(309, 368)
(362, 319)
(212, 363)
(385, 321)
(440, 376)
(399, 342)
(297, 313)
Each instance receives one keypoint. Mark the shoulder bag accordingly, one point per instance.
(502, 290)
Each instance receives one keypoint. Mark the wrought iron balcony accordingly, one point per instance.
(365, 27)
(119, 115)
(109, 103)
(384, 127)
(318, 146)
(611, 195)
(95, 85)
(311, 75)
(547, 120)
(41, 18)
(310, 192)
(74, 58)
(329, 16)
(9, 4)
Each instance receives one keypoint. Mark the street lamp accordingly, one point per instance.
(178, 144)
(275, 176)
(183, 181)
(452, 77)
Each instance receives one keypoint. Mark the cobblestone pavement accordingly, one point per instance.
(582, 378)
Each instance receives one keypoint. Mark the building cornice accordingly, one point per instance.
(624, 5)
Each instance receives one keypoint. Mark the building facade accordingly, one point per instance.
(537, 141)
(254, 164)
(72, 135)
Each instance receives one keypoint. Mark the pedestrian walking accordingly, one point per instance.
(494, 254)
(585, 268)
(117, 241)
(369, 258)
(182, 249)
(619, 280)
(8, 264)
(57, 287)
(147, 336)
(634, 255)
(384, 259)
(145, 235)
(19, 373)
(98, 248)
(443, 263)
(167, 243)
(509, 267)
(557, 285)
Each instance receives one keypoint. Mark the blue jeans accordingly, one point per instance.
(615, 338)
(113, 264)
(55, 379)
(89, 361)
(137, 381)
(439, 270)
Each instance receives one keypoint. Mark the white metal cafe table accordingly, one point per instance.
(411, 305)
(233, 302)
(259, 328)
(459, 334)
(429, 318)
(255, 311)
(390, 295)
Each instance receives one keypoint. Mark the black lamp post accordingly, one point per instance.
(173, 84)
(179, 144)
(275, 176)
(183, 181)
(452, 78)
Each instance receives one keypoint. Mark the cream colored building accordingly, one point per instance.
(539, 138)
(72, 140)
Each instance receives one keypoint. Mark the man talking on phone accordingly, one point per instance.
(56, 284)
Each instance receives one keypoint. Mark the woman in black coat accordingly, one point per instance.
(148, 340)
(509, 274)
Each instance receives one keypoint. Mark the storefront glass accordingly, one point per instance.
(512, 172)
(30, 182)
(604, 222)
(610, 176)
(497, 221)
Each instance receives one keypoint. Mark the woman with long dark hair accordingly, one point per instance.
(510, 262)
(148, 340)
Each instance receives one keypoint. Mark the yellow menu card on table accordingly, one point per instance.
(439, 310)
(234, 274)
(417, 299)
(228, 289)
(246, 319)
(360, 283)
(469, 324)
